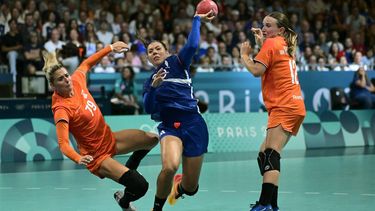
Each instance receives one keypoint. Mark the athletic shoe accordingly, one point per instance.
(259, 207)
(118, 196)
(174, 195)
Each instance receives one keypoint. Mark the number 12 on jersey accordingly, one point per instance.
(293, 71)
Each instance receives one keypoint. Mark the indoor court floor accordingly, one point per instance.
(330, 179)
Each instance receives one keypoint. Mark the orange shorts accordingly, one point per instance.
(103, 153)
(289, 122)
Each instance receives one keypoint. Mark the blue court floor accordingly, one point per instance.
(331, 179)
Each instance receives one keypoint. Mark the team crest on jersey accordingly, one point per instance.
(166, 64)
(83, 94)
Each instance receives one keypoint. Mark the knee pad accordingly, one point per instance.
(261, 159)
(181, 190)
(272, 160)
(135, 184)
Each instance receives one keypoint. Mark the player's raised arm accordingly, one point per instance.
(117, 47)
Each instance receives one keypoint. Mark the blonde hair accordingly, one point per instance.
(51, 65)
(290, 35)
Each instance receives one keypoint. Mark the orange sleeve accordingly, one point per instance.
(60, 113)
(62, 130)
(93, 59)
(265, 54)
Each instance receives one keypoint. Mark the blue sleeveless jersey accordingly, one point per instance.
(176, 91)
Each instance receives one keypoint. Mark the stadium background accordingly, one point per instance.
(235, 117)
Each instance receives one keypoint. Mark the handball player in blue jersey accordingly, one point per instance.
(168, 97)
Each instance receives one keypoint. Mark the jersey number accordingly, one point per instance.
(91, 107)
(293, 71)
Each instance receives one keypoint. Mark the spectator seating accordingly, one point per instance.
(101, 85)
(6, 85)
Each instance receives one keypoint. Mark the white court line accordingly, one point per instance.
(367, 194)
(286, 192)
(32, 188)
(340, 194)
(62, 188)
(228, 191)
(6, 188)
(254, 191)
(88, 188)
(312, 193)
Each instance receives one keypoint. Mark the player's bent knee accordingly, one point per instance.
(136, 185)
(261, 161)
(170, 170)
(182, 190)
(272, 160)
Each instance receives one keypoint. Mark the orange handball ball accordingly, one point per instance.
(205, 6)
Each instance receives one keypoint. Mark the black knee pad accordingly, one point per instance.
(272, 161)
(181, 190)
(136, 185)
(261, 159)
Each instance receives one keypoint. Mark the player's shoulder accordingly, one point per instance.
(79, 75)
(59, 102)
(173, 58)
(271, 41)
(274, 43)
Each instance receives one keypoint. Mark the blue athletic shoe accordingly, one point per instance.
(258, 207)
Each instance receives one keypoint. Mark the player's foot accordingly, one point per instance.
(259, 207)
(118, 196)
(174, 195)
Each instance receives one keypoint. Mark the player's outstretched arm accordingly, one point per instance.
(117, 47)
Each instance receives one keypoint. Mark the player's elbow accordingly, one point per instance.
(147, 110)
(256, 73)
(146, 107)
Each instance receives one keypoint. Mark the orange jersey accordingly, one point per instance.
(84, 118)
(280, 85)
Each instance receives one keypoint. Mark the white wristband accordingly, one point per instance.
(111, 47)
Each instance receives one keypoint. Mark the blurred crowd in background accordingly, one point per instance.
(334, 35)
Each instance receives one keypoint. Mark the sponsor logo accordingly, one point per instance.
(321, 99)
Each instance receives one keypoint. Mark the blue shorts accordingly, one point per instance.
(193, 133)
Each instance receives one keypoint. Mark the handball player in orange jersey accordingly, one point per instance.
(75, 111)
(282, 96)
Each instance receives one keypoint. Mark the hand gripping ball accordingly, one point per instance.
(205, 6)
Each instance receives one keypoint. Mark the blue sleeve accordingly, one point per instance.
(148, 96)
(149, 101)
(187, 52)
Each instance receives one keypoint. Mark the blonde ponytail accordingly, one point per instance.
(50, 65)
(291, 40)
